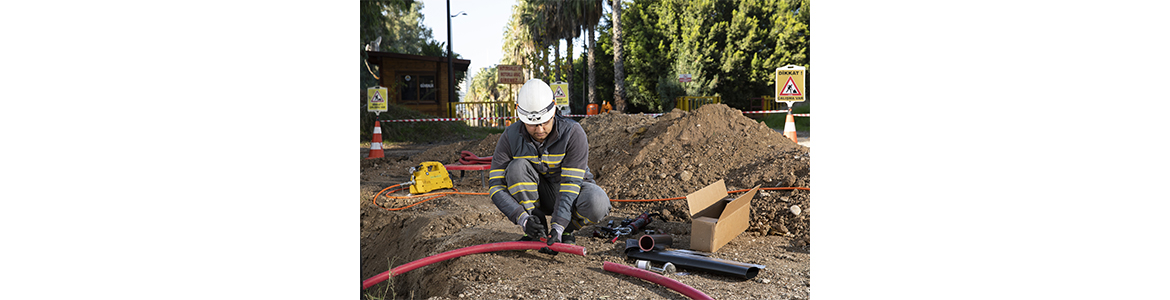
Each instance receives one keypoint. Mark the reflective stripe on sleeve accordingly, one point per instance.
(574, 173)
(572, 188)
(495, 188)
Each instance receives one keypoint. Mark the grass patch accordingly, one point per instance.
(776, 120)
(419, 132)
(387, 291)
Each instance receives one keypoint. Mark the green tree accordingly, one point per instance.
(534, 17)
(575, 17)
(603, 47)
(619, 77)
(649, 28)
(484, 86)
(393, 26)
(590, 16)
(397, 26)
(730, 48)
(519, 47)
(374, 15)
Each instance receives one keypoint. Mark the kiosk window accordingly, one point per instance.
(418, 88)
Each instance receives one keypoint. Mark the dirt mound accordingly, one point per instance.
(642, 157)
(672, 155)
(632, 157)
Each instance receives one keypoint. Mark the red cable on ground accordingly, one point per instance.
(502, 246)
(680, 287)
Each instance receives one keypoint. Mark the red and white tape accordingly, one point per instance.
(746, 112)
(572, 116)
(447, 119)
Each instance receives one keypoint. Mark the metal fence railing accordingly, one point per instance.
(483, 114)
(688, 103)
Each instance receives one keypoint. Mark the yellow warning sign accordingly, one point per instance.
(376, 98)
(790, 85)
(560, 93)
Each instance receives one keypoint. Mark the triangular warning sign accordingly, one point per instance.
(377, 97)
(559, 92)
(790, 89)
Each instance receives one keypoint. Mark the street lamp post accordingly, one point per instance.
(450, 56)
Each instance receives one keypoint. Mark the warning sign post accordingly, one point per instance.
(376, 99)
(790, 85)
(560, 91)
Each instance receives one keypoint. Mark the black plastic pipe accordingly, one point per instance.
(690, 261)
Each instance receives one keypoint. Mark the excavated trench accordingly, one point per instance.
(632, 156)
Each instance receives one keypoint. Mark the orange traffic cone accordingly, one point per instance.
(790, 127)
(376, 142)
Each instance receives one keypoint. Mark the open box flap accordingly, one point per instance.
(741, 201)
(703, 198)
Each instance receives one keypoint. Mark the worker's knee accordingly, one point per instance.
(592, 203)
(519, 170)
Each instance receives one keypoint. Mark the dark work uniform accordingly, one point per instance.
(552, 176)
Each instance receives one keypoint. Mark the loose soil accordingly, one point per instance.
(632, 157)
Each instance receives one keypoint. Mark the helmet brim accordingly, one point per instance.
(540, 119)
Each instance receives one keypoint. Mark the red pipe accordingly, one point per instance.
(680, 287)
(502, 246)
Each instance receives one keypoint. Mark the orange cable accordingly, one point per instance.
(729, 192)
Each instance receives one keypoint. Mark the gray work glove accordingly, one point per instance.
(554, 235)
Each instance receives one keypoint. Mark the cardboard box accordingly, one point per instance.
(716, 218)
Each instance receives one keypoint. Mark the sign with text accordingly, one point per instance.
(376, 98)
(560, 91)
(790, 85)
(510, 74)
(684, 77)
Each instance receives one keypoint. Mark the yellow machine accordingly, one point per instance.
(429, 176)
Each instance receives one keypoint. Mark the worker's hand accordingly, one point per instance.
(554, 235)
(533, 224)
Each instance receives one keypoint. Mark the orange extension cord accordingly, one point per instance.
(457, 192)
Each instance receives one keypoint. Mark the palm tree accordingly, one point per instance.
(569, 21)
(518, 47)
(557, 25)
(619, 77)
(591, 15)
(534, 17)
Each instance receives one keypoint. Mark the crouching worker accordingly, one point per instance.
(541, 168)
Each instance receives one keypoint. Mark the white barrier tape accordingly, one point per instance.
(447, 119)
(765, 111)
(746, 112)
(572, 116)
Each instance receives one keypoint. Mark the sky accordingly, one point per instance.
(478, 35)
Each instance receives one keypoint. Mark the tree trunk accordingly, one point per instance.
(592, 82)
(544, 73)
(569, 70)
(556, 63)
(619, 77)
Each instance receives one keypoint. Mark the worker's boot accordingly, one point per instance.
(568, 238)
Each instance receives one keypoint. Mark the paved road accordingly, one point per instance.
(802, 137)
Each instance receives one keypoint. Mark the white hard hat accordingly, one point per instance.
(535, 102)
